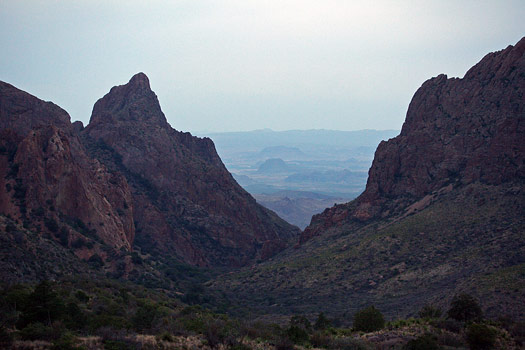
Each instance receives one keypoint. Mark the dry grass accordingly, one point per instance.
(31, 345)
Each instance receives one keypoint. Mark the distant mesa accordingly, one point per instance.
(335, 176)
(274, 166)
(283, 152)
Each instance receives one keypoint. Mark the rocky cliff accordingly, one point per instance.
(442, 213)
(456, 132)
(127, 179)
(185, 201)
(49, 183)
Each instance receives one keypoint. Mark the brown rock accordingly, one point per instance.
(457, 131)
(47, 177)
(185, 200)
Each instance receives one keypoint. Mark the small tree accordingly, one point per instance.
(430, 311)
(480, 336)
(144, 316)
(298, 330)
(301, 322)
(322, 322)
(43, 305)
(465, 307)
(369, 319)
(423, 342)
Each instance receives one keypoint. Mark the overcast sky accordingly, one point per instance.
(224, 65)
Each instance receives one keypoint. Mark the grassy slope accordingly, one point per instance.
(469, 240)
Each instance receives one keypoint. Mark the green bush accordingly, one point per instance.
(35, 331)
(240, 346)
(430, 312)
(480, 336)
(42, 305)
(51, 224)
(320, 340)
(297, 335)
(118, 345)
(284, 343)
(465, 307)
(369, 319)
(322, 322)
(65, 342)
(74, 317)
(423, 342)
(96, 261)
(450, 325)
(301, 322)
(82, 296)
(105, 320)
(348, 343)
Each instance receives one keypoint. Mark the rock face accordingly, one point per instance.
(48, 182)
(185, 201)
(456, 132)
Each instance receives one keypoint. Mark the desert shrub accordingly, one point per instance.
(6, 338)
(81, 296)
(240, 346)
(297, 335)
(423, 342)
(369, 319)
(136, 259)
(51, 224)
(65, 342)
(95, 261)
(78, 243)
(430, 312)
(105, 320)
(348, 343)
(43, 306)
(10, 227)
(165, 336)
(263, 331)
(144, 316)
(517, 330)
(74, 317)
(465, 307)
(301, 322)
(215, 333)
(322, 322)
(450, 325)
(320, 340)
(451, 340)
(284, 343)
(480, 336)
(118, 345)
(35, 331)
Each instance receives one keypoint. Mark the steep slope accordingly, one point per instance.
(443, 212)
(48, 182)
(457, 131)
(185, 201)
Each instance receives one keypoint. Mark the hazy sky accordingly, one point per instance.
(224, 65)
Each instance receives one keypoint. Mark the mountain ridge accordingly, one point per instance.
(98, 188)
(442, 213)
(460, 113)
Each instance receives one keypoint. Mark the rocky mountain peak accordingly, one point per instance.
(456, 132)
(140, 81)
(185, 201)
(133, 102)
(21, 111)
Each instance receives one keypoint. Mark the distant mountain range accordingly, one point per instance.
(329, 162)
